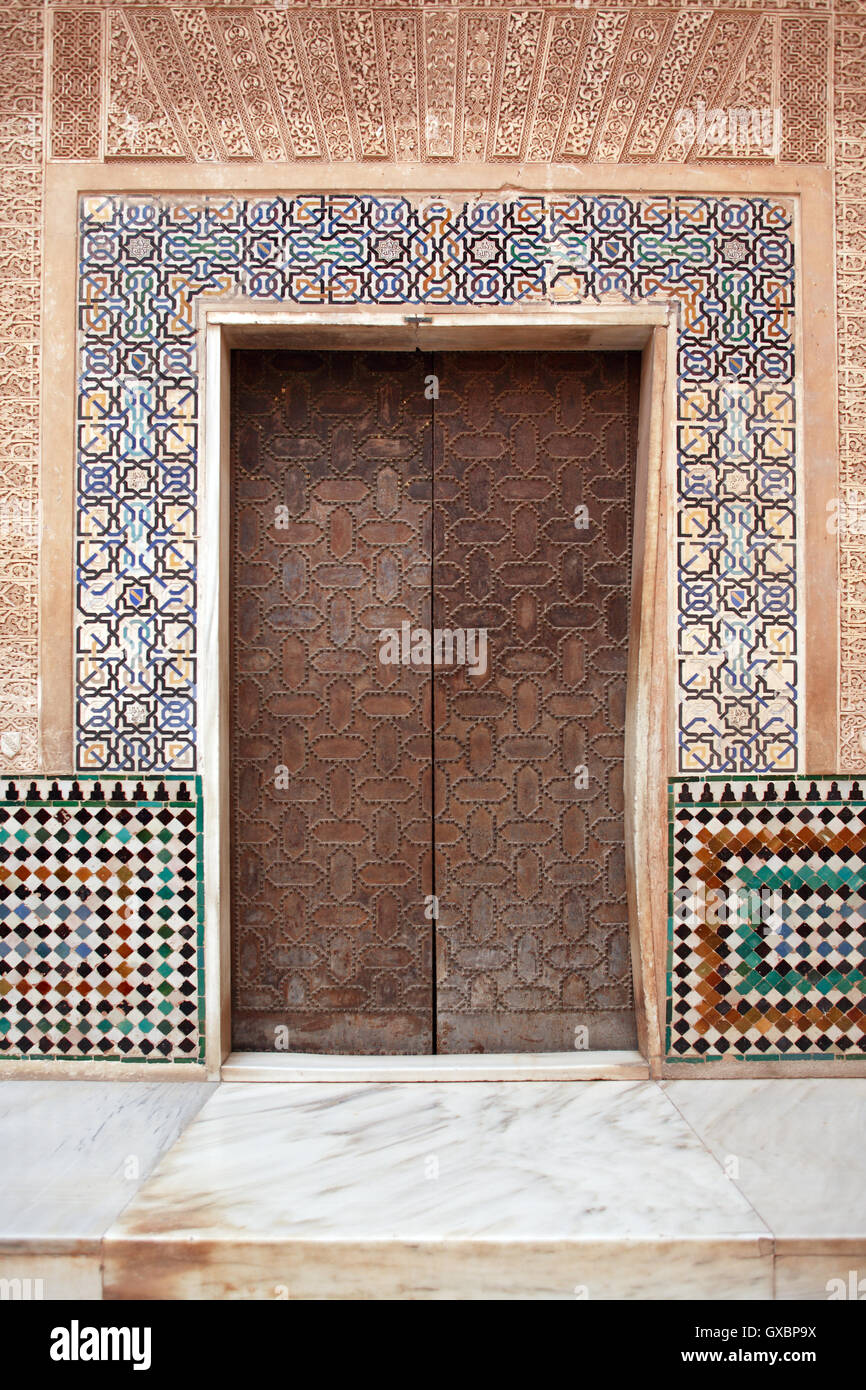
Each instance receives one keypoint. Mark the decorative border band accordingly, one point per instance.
(146, 261)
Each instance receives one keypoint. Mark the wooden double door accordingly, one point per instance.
(427, 840)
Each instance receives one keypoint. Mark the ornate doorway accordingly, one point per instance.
(429, 598)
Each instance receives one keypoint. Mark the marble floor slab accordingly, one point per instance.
(551, 1190)
(34, 1274)
(819, 1269)
(796, 1149)
(74, 1153)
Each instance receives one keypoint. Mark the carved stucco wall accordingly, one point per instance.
(850, 181)
(428, 82)
(21, 150)
(438, 83)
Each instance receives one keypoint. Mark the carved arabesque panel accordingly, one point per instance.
(441, 81)
(21, 133)
(850, 178)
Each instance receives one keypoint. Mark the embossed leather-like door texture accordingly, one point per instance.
(330, 854)
(343, 472)
(533, 942)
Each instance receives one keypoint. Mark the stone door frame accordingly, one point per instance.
(811, 190)
(650, 328)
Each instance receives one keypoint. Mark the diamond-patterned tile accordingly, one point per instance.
(101, 919)
(767, 939)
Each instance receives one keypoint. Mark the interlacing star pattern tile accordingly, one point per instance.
(767, 937)
(725, 262)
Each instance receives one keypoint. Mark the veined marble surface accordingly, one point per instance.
(481, 1190)
(477, 1066)
(73, 1153)
(701, 1189)
(796, 1149)
(517, 1160)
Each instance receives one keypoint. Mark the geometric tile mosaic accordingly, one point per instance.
(767, 936)
(101, 906)
(147, 261)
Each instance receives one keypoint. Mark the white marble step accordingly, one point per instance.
(510, 1189)
(72, 1155)
(546, 1189)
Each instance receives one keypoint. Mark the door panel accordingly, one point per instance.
(530, 867)
(330, 855)
(336, 842)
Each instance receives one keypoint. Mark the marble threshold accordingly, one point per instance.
(491, 1066)
(505, 1189)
